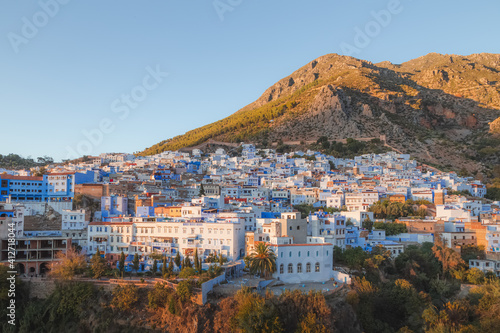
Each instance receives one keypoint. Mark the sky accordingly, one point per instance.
(88, 77)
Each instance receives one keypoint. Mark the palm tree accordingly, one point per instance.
(262, 260)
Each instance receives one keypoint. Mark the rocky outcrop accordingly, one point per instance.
(450, 97)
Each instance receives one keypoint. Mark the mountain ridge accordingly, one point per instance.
(435, 107)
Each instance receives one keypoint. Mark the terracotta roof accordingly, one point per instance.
(111, 223)
(307, 244)
(11, 177)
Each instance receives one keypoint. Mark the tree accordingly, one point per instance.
(98, 265)
(202, 191)
(197, 261)
(187, 272)
(355, 257)
(311, 324)
(178, 259)
(391, 228)
(154, 268)
(449, 259)
(164, 271)
(184, 290)
(68, 264)
(172, 306)
(135, 262)
(121, 263)
(475, 276)
(171, 266)
(262, 260)
(158, 297)
(221, 260)
(187, 262)
(124, 297)
(472, 252)
(368, 224)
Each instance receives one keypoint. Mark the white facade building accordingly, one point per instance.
(296, 263)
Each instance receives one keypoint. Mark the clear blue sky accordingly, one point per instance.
(65, 77)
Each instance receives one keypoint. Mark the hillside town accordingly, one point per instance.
(306, 206)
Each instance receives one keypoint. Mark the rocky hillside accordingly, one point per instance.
(436, 107)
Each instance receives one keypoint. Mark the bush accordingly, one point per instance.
(124, 297)
(159, 296)
(187, 272)
(184, 290)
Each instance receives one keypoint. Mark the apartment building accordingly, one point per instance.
(224, 237)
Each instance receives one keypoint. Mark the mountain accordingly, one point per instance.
(436, 107)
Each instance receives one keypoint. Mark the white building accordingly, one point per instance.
(485, 265)
(74, 225)
(327, 228)
(296, 263)
(12, 219)
(224, 237)
(357, 217)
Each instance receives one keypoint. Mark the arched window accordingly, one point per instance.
(290, 268)
(282, 269)
(308, 267)
(316, 267)
(299, 268)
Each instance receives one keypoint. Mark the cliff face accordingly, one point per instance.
(436, 107)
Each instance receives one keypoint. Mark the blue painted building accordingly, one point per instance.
(145, 211)
(22, 188)
(61, 186)
(114, 206)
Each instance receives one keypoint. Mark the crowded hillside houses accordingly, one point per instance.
(303, 204)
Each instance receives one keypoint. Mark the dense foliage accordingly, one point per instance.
(386, 209)
(14, 162)
(351, 148)
(391, 228)
(306, 209)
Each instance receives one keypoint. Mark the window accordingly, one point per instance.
(299, 268)
(308, 267)
(299, 254)
(281, 254)
(290, 253)
(308, 253)
(290, 268)
(316, 267)
(282, 269)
